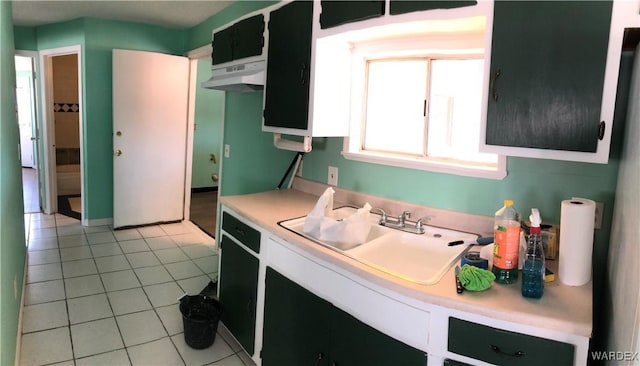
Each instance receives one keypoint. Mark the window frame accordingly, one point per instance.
(449, 45)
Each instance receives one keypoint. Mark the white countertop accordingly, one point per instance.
(562, 308)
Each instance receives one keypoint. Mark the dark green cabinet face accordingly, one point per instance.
(301, 328)
(296, 324)
(243, 39)
(501, 347)
(357, 344)
(338, 12)
(547, 74)
(222, 46)
(238, 291)
(408, 6)
(241, 231)
(288, 69)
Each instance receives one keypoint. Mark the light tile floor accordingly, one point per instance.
(97, 296)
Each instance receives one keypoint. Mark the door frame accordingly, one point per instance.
(194, 56)
(34, 102)
(50, 204)
(36, 129)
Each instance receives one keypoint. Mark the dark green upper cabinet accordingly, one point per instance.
(243, 39)
(408, 6)
(547, 73)
(287, 85)
(238, 292)
(338, 12)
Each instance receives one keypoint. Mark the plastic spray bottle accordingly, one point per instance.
(506, 243)
(533, 268)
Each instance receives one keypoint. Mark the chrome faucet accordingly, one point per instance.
(383, 216)
(403, 217)
(400, 222)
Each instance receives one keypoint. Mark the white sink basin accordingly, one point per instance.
(420, 258)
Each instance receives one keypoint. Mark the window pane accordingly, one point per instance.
(395, 119)
(455, 107)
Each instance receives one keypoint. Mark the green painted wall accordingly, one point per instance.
(254, 164)
(12, 242)
(25, 38)
(97, 37)
(101, 36)
(207, 137)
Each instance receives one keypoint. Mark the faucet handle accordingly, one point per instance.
(383, 215)
(403, 216)
(420, 223)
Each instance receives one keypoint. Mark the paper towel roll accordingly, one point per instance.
(577, 217)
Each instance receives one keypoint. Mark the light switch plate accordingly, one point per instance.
(226, 150)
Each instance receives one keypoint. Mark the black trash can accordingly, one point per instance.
(200, 316)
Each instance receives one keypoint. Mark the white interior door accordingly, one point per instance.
(150, 99)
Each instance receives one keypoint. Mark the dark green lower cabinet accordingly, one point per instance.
(238, 292)
(301, 328)
(354, 343)
(501, 347)
(296, 324)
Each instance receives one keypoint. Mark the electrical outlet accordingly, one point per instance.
(332, 178)
(226, 150)
(598, 215)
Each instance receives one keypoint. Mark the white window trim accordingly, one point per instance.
(427, 165)
(351, 146)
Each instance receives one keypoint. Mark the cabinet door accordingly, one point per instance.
(249, 37)
(547, 73)
(354, 343)
(238, 291)
(289, 55)
(407, 6)
(222, 46)
(337, 12)
(501, 347)
(296, 324)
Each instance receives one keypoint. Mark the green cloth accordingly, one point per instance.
(474, 278)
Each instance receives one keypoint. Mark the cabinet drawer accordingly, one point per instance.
(241, 231)
(501, 347)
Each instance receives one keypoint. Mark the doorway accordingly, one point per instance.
(26, 106)
(62, 130)
(206, 114)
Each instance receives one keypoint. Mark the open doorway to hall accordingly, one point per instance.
(66, 118)
(208, 114)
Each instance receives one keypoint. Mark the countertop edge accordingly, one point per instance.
(518, 310)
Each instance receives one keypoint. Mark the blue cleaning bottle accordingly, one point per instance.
(534, 267)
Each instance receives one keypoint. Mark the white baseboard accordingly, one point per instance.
(98, 222)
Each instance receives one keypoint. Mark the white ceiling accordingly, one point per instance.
(178, 14)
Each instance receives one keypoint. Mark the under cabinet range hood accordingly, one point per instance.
(241, 76)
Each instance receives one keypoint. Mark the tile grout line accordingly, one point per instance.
(64, 276)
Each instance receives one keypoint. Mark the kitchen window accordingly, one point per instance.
(417, 102)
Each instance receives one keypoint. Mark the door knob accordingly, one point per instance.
(118, 152)
(119, 133)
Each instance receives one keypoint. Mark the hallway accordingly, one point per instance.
(30, 190)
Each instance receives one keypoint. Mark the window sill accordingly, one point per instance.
(430, 165)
